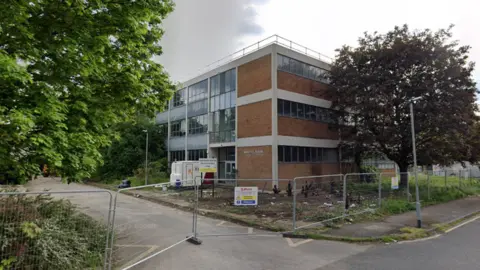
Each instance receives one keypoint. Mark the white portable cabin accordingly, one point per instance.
(185, 173)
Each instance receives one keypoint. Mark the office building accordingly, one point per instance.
(264, 114)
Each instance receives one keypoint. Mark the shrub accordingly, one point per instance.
(42, 233)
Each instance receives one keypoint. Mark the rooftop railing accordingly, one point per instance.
(275, 39)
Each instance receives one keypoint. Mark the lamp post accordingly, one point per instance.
(417, 195)
(146, 157)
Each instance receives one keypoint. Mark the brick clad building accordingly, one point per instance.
(264, 115)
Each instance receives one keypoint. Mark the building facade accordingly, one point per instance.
(264, 115)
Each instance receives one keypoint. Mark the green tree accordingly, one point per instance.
(127, 153)
(70, 71)
(374, 81)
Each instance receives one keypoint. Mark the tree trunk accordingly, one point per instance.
(403, 176)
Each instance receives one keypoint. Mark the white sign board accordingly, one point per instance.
(246, 196)
(208, 165)
(394, 183)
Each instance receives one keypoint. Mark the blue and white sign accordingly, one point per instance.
(394, 183)
(246, 196)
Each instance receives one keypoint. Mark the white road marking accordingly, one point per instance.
(139, 257)
(462, 224)
(221, 223)
(292, 244)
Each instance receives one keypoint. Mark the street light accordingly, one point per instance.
(417, 196)
(146, 157)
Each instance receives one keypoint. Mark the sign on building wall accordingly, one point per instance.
(246, 196)
(208, 165)
(258, 152)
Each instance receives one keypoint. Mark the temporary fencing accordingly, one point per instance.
(135, 231)
(40, 230)
(265, 203)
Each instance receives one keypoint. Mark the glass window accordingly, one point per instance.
(314, 154)
(308, 156)
(177, 128)
(302, 69)
(293, 112)
(280, 107)
(301, 110)
(287, 153)
(301, 154)
(179, 98)
(294, 154)
(280, 154)
(286, 107)
(310, 112)
(330, 155)
(319, 154)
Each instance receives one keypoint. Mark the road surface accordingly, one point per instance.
(143, 228)
(458, 249)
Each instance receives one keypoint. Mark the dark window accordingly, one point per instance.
(280, 106)
(288, 153)
(294, 111)
(280, 154)
(301, 110)
(294, 154)
(314, 155)
(286, 107)
(308, 156)
(301, 154)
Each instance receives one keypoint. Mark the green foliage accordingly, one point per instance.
(369, 169)
(126, 156)
(48, 233)
(69, 72)
(376, 79)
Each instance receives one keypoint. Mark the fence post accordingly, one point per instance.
(459, 179)
(445, 173)
(345, 195)
(379, 190)
(408, 185)
(428, 185)
(294, 216)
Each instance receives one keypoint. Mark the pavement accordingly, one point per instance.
(435, 214)
(458, 249)
(144, 228)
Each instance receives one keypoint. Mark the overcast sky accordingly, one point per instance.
(201, 32)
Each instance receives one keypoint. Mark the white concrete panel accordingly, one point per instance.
(253, 98)
(288, 95)
(254, 141)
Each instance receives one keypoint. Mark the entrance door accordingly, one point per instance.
(230, 169)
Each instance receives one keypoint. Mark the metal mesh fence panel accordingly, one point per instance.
(45, 230)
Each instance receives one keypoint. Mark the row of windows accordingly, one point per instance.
(192, 155)
(223, 101)
(198, 91)
(177, 155)
(307, 154)
(198, 124)
(179, 97)
(197, 154)
(306, 112)
(223, 83)
(299, 68)
(178, 128)
(223, 120)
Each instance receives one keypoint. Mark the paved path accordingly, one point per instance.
(459, 250)
(144, 228)
(435, 214)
